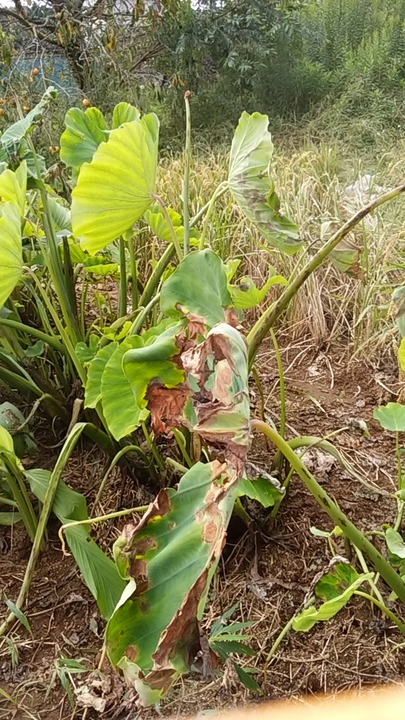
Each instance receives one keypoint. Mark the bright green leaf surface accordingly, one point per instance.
(85, 130)
(117, 186)
(401, 354)
(259, 489)
(13, 186)
(121, 411)
(124, 112)
(16, 132)
(395, 543)
(10, 249)
(92, 394)
(246, 295)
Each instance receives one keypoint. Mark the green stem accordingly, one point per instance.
(28, 330)
(181, 442)
(15, 481)
(281, 381)
(154, 280)
(99, 518)
(113, 463)
(259, 387)
(66, 451)
(134, 274)
(168, 219)
(186, 184)
(286, 629)
(210, 207)
(218, 193)
(337, 516)
(152, 448)
(122, 299)
(269, 317)
(137, 325)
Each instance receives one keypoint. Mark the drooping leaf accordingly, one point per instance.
(246, 677)
(246, 295)
(10, 249)
(171, 554)
(98, 570)
(99, 265)
(13, 186)
(11, 137)
(306, 620)
(121, 411)
(6, 441)
(251, 185)
(261, 490)
(124, 112)
(117, 186)
(85, 130)
(395, 543)
(197, 287)
(391, 416)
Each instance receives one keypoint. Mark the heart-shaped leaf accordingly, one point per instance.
(124, 112)
(117, 186)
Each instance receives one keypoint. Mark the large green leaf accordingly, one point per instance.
(391, 416)
(252, 186)
(13, 186)
(169, 557)
(10, 249)
(12, 137)
(121, 411)
(198, 287)
(98, 571)
(92, 394)
(117, 186)
(85, 130)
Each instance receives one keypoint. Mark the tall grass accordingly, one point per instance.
(311, 180)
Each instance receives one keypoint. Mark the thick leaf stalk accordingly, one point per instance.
(337, 516)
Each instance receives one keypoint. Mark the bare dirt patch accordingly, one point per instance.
(267, 574)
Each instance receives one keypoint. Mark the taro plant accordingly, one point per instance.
(172, 361)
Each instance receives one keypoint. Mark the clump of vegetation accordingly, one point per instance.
(170, 357)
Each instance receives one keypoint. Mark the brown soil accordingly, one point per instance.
(267, 575)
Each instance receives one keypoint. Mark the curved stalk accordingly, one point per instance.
(27, 330)
(269, 317)
(337, 516)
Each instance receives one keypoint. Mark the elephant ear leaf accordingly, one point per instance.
(13, 186)
(10, 249)
(84, 133)
(252, 187)
(198, 288)
(123, 113)
(117, 186)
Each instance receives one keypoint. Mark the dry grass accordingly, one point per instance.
(311, 180)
